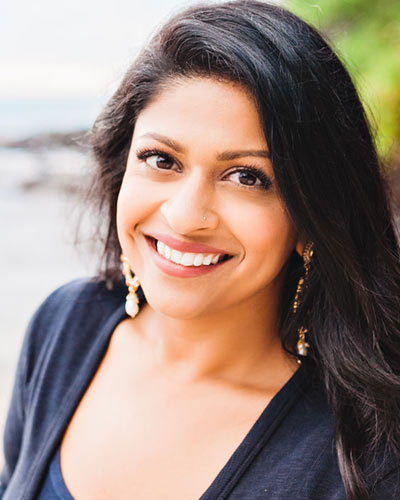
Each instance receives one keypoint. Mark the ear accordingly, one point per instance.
(300, 247)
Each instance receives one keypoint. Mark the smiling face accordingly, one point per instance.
(199, 188)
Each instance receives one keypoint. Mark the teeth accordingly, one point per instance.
(207, 260)
(176, 256)
(160, 247)
(188, 258)
(214, 260)
(198, 260)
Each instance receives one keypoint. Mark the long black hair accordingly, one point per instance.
(328, 174)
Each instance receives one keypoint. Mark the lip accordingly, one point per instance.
(178, 270)
(184, 246)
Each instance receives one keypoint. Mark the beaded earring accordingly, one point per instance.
(302, 344)
(132, 282)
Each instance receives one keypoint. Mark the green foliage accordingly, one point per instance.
(366, 36)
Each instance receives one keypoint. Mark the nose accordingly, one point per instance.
(189, 207)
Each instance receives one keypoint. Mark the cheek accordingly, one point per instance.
(133, 205)
(267, 234)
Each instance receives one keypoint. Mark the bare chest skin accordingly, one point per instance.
(140, 435)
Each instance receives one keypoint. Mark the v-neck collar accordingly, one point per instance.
(245, 453)
(256, 438)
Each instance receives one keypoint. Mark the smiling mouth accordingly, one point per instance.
(187, 259)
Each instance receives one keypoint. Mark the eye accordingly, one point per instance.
(156, 159)
(250, 177)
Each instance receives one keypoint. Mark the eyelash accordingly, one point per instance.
(266, 182)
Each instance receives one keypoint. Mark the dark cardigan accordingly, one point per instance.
(288, 453)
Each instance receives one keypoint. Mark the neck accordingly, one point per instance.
(239, 346)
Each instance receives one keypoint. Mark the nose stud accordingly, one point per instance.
(204, 217)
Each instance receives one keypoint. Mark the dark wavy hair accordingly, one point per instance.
(328, 174)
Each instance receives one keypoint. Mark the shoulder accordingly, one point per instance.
(57, 337)
(73, 323)
(75, 298)
(68, 319)
(88, 292)
(318, 422)
(382, 473)
(62, 346)
(388, 486)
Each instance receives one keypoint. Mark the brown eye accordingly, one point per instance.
(250, 177)
(247, 178)
(160, 161)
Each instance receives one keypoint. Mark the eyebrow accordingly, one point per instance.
(224, 156)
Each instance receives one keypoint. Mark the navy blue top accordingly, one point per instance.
(288, 453)
(54, 487)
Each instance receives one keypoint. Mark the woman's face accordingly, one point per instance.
(198, 176)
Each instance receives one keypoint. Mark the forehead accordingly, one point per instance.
(206, 109)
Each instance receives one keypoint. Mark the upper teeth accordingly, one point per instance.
(186, 259)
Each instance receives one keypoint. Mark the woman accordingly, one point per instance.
(239, 180)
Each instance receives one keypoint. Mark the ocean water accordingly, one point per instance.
(20, 118)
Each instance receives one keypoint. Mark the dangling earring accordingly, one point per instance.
(302, 344)
(131, 281)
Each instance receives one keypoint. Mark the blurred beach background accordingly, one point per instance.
(60, 62)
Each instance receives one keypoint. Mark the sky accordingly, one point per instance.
(72, 48)
(60, 61)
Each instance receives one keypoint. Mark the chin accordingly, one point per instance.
(177, 307)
